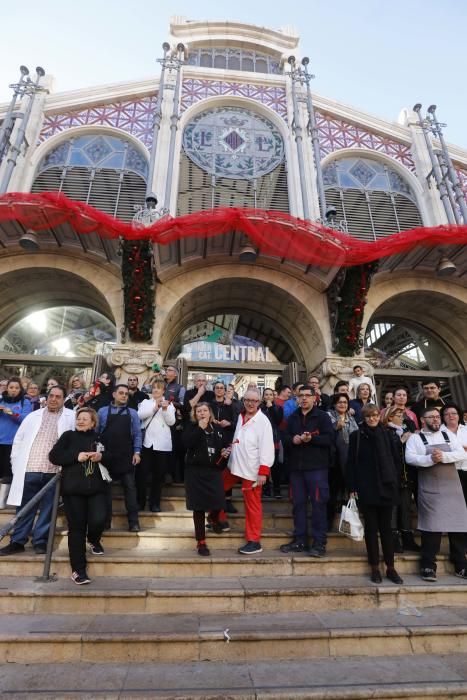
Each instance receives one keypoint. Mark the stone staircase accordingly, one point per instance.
(158, 621)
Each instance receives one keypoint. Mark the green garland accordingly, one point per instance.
(353, 295)
(138, 289)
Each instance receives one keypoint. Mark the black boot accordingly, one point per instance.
(408, 541)
(398, 548)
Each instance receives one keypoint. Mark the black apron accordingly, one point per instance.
(118, 442)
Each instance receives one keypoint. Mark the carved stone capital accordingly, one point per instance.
(333, 368)
(134, 359)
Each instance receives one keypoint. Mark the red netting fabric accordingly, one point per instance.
(272, 232)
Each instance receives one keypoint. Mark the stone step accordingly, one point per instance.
(175, 519)
(437, 677)
(237, 637)
(433, 677)
(171, 504)
(233, 594)
(143, 562)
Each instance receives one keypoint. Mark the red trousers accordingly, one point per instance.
(253, 505)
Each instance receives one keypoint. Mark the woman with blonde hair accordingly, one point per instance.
(401, 428)
(76, 390)
(205, 442)
(372, 477)
(79, 453)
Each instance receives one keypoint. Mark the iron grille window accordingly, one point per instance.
(372, 198)
(105, 172)
(198, 190)
(233, 59)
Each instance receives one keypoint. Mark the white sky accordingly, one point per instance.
(376, 56)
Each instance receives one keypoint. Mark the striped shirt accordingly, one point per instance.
(46, 437)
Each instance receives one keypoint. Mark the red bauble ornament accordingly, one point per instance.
(357, 310)
(137, 298)
(138, 270)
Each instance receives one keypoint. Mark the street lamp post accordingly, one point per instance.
(436, 129)
(25, 87)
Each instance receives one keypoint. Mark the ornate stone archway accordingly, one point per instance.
(430, 302)
(32, 282)
(296, 310)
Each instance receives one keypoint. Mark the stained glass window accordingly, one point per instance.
(104, 171)
(371, 197)
(234, 143)
(97, 151)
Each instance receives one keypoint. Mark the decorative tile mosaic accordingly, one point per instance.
(136, 117)
(194, 90)
(336, 134)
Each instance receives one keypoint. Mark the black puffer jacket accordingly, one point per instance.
(65, 453)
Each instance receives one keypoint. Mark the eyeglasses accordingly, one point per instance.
(451, 413)
(251, 400)
(305, 396)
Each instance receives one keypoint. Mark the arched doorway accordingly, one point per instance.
(416, 334)
(257, 312)
(54, 319)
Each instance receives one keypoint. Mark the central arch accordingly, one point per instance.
(285, 304)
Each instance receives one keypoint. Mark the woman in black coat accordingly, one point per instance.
(205, 460)
(372, 477)
(275, 415)
(83, 490)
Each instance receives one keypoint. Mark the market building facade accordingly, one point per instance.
(231, 121)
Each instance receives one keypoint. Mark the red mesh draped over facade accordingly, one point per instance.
(273, 233)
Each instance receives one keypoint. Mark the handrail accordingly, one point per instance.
(5, 529)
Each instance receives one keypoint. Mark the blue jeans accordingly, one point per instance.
(33, 482)
(310, 486)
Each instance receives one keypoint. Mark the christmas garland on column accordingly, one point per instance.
(138, 289)
(350, 309)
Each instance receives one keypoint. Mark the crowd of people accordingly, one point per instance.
(394, 460)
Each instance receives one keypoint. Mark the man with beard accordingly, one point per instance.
(431, 397)
(441, 504)
(135, 395)
(120, 432)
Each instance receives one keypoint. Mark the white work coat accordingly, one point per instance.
(157, 435)
(22, 444)
(461, 435)
(252, 446)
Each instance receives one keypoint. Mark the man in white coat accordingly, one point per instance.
(251, 457)
(32, 469)
(441, 504)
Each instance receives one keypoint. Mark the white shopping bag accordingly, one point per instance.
(350, 523)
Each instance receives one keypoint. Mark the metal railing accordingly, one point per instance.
(5, 529)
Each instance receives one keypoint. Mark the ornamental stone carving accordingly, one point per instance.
(134, 359)
(334, 368)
